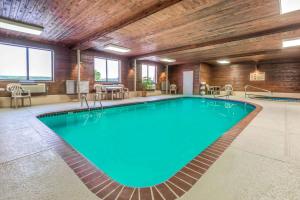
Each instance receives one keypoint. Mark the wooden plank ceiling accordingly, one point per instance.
(189, 31)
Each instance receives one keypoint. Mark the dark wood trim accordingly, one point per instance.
(86, 43)
(256, 53)
(273, 31)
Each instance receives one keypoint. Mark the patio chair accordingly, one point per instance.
(173, 88)
(101, 91)
(210, 91)
(124, 91)
(228, 89)
(17, 92)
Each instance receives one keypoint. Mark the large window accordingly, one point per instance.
(24, 63)
(107, 70)
(149, 71)
(289, 6)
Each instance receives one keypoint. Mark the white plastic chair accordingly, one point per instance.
(100, 91)
(17, 92)
(124, 91)
(173, 88)
(228, 89)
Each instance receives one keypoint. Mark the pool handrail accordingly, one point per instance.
(83, 98)
(258, 88)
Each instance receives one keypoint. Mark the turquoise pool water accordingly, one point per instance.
(145, 144)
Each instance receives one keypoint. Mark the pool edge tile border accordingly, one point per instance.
(106, 188)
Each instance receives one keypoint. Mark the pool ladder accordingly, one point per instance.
(97, 97)
(83, 99)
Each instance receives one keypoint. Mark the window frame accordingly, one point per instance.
(27, 63)
(147, 64)
(106, 70)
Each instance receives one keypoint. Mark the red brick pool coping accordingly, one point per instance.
(108, 189)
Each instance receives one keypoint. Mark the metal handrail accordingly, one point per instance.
(98, 98)
(83, 98)
(262, 89)
(218, 96)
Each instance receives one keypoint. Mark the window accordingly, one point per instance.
(107, 70)
(149, 71)
(24, 63)
(289, 6)
(40, 64)
(10, 67)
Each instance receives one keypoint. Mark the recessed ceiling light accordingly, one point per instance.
(223, 62)
(20, 27)
(167, 60)
(291, 43)
(289, 6)
(116, 48)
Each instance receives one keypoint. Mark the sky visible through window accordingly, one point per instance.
(289, 6)
(13, 63)
(149, 71)
(40, 64)
(107, 70)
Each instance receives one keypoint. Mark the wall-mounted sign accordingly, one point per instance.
(257, 76)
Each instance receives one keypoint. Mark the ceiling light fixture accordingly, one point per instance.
(167, 60)
(291, 43)
(116, 48)
(223, 62)
(289, 6)
(20, 27)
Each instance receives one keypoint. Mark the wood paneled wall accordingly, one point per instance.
(65, 65)
(280, 77)
(62, 63)
(87, 67)
(160, 73)
(176, 76)
(205, 73)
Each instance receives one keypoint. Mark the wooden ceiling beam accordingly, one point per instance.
(87, 42)
(277, 30)
(237, 56)
(248, 54)
(212, 60)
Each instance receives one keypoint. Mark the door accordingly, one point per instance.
(188, 82)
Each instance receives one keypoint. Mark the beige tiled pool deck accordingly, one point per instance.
(262, 163)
